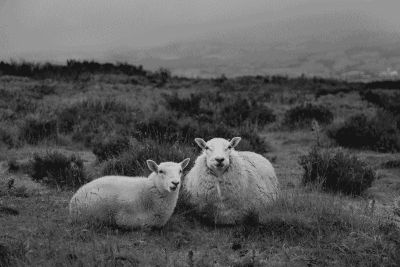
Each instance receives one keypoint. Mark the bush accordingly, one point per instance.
(303, 115)
(336, 171)
(9, 136)
(35, 129)
(167, 129)
(89, 119)
(242, 110)
(377, 133)
(56, 169)
(133, 161)
(110, 147)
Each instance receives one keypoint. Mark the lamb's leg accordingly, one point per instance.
(128, 220)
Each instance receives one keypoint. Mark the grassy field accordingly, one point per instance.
(112, 119)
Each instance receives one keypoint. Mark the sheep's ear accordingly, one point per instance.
(201, 143)
(234, 142)
(152, 165)
(184, 163)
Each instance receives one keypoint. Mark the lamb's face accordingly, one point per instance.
(168, 174)
(218, 151)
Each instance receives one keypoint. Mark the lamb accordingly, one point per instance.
(130, 202)
(226, 185)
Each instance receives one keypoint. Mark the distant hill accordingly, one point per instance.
(346, 46)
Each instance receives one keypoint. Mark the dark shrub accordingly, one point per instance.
(377, 133)
(242, 110)
(37, 128)
(387, 100)
(133, 161)
(189, 105)
(56, 169)
(165, 128)
(110, 147)
(336, 171)
(168, 129)
(9, 136)
(303, 115)
(89, 119)
(39, 91)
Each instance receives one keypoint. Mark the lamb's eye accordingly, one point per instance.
(180, 171)
(161, 172)
(229, 147)
(206, 148)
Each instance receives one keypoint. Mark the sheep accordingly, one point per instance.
(225, 185)
(130, 202)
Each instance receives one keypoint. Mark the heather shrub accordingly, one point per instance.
(168, 129)
(303, 115)
(110, 147)
(335, 170)
(37, 128)
(189, 106)
(389, 101)
(9, 136)
(243, 110)
(132, 162)
(378, 133)
(39, 91)
(56, 169)
(89, 119)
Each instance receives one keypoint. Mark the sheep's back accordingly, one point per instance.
(261, 173)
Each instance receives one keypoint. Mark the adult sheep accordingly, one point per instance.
(130, 202)
(226, 185)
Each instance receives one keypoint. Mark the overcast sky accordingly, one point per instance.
(60, 25)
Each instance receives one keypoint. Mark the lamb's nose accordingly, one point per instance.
(219, 160)
(175, 183)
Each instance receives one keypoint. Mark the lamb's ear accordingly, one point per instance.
(234, 142)
(152, 165)
(201, 143)
(184, 163)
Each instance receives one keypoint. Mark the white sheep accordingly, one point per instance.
(226, 185)
(130, 202)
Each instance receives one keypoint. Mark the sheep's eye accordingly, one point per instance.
(180, 171)
(229, 147)
(161, 172)
(206, 148)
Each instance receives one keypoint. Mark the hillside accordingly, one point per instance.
(335, 147)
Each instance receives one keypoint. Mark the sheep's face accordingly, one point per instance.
(168, 174)
(218, 151)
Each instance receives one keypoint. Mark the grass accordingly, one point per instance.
(113, 117)
(303, 228)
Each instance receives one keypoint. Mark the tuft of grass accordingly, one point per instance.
(378, 133)
(302, 115)
(335, 170)
(58, 170)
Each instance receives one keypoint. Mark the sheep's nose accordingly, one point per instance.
(175, 183)
(219, 160)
